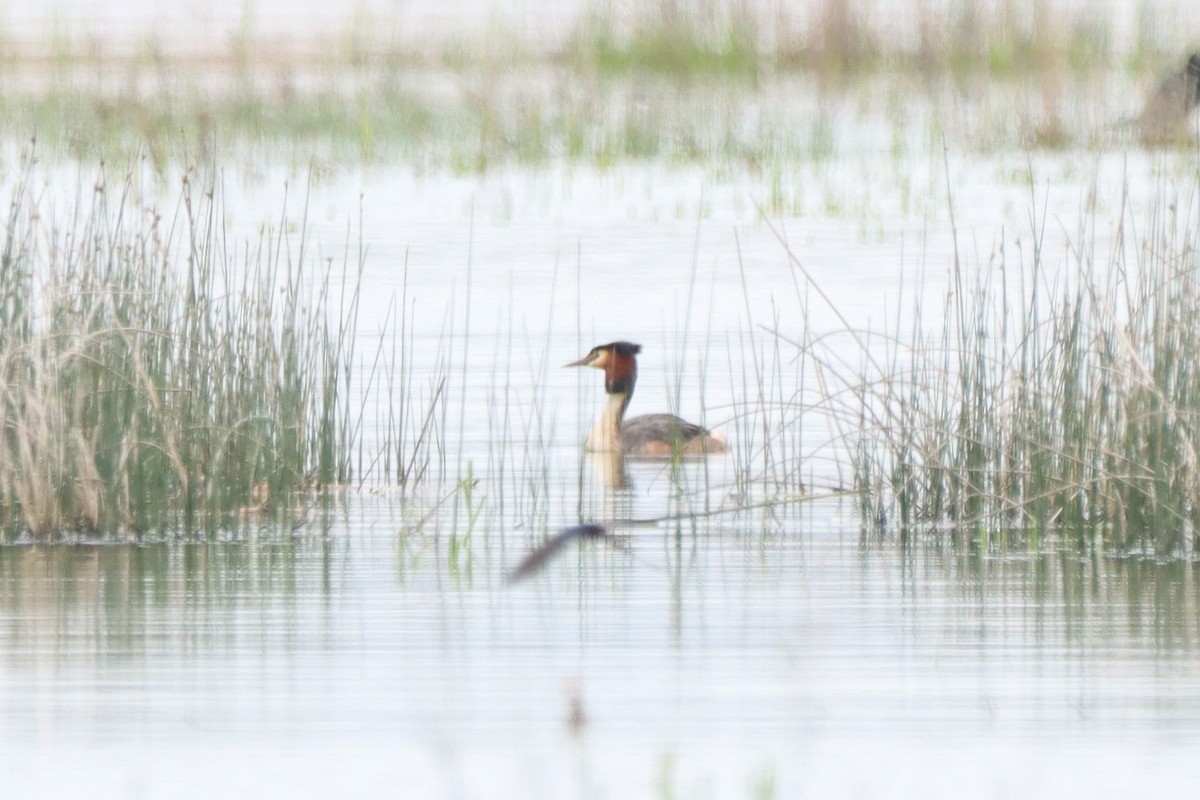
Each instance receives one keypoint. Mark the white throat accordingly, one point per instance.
(605, 436)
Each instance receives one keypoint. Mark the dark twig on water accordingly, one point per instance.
(539, 557)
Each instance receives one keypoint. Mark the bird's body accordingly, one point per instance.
(1181, 90)
(1164, 116)
(648, 435)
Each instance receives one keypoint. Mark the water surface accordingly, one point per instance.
(715, 662)
(376, 648)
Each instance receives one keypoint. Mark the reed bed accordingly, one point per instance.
(1065, 403)
(155, 376)
(733, 84)
(700, 39)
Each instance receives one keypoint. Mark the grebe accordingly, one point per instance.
(649, 434)
(1165, 114)
(1181, 90)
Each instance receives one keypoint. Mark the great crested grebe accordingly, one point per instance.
(649, 434)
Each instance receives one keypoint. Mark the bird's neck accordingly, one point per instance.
(606, 434)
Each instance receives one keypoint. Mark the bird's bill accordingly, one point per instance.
(596, 358)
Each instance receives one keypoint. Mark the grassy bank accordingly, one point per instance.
(156, 376)
(748, 84)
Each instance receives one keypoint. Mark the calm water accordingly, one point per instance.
(720, 662)
(377, 650)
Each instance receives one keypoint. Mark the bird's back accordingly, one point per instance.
(665, 435)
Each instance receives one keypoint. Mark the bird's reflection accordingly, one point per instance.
(613, 473)
(612, 468)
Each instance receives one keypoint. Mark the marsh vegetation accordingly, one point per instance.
(734, 86)
(156, 376)
(161, 375)
(285, 441)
